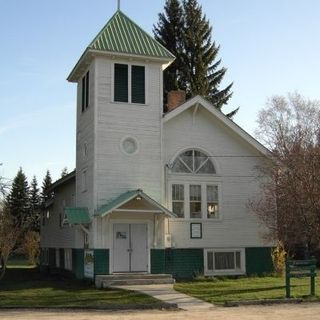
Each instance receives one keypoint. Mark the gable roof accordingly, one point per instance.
(198, 100)
(123, 37)
(123, 198)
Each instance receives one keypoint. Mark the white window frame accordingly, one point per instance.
(68, 259)
(146, 81)
(204, 184)
(213, 272)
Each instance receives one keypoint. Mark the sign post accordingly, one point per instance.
(301, 269)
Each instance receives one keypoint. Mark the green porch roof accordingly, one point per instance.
(122, 35)
(77, 215)
(123, 198)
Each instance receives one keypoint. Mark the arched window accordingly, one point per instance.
(194, 162)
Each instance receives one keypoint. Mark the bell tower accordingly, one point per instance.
(119, 112)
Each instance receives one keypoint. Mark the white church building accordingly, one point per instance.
(152, 193)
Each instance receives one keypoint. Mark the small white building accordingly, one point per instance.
(152, 192)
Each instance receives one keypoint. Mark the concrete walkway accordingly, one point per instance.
(166, 293)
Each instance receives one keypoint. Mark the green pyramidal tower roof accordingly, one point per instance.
(122, 35)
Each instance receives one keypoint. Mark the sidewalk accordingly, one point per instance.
(166, 293)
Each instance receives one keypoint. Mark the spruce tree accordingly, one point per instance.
(35, 205)
(198, 70)
(64, 172)
(46, 193)
(168, 33)
(18, 200)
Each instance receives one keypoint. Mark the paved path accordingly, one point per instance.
(166, 293)
(279, 312)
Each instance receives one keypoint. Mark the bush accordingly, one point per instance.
(279, 256)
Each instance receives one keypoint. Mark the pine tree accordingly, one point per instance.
(168, 33)
(46, 193)
(35, 205)
(64, 172)
(198, 70)
(18, 200)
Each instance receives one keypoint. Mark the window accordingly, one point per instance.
(68, 259)
(212, 202)
(195, 201)
(178, 200)
(224, 261)
(129, 89)
(194, 162)
(85, 92)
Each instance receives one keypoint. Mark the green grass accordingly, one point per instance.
(26, 287)
(218, 291)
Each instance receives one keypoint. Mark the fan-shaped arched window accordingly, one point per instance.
(194, 162)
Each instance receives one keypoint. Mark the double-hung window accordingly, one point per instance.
(195, 201)
(85, 92)
(224, 261)
(178, 200)
(129, 83)
(212, 202)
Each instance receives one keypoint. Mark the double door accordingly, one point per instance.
(130, 247)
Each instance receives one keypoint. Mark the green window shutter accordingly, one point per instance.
(121, 82)
(87, 90)
(138, 94)
(83, 94)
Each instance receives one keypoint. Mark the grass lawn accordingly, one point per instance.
(218, 291)
(26, 287)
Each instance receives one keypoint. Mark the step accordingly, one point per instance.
(104, 281)
(132, 282)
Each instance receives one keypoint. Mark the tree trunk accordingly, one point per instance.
(3, 266)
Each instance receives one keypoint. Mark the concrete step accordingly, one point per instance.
(104, 281)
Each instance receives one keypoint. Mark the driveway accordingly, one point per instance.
(279, 312)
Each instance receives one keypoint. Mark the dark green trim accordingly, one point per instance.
(258, 260)
(192, 224)
(138, 94)
(101, 261)
(78, 263)
(61, 259)
(158, 261)
(121, 82)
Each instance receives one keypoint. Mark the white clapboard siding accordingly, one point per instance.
(236, 177)
(117, 172)
(52, 234)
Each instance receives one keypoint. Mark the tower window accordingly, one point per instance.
(85, 92)
(129, 83)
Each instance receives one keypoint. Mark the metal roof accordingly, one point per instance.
(122, 35)
(77, 215)
(126, 197)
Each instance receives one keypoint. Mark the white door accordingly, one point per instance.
(130, 247)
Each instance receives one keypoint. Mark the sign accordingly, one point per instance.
(88, 264)
(301, 269)
(195, 230)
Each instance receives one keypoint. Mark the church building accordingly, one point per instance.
(153, 193)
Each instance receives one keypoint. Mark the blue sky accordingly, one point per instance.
(269, 47)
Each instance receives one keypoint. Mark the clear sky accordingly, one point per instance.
(268, 46)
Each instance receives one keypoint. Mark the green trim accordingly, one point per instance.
(101, 261)
(138, 94)
(78, 263)
(259, 260)
(121, 82)
(158, 261)
(191, 225)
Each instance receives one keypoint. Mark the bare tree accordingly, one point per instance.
(290, 205)
(9, 234)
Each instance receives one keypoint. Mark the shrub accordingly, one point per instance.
(279, 256)
(31, 246)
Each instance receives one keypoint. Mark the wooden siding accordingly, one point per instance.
(236, 177)
(52, 234)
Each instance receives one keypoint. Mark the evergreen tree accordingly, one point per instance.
(64, 172)
(46, 193)
(168, 33)
(35, 204)
(198, 70)
(18, 200)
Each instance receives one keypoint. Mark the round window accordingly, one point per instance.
(129, 145)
